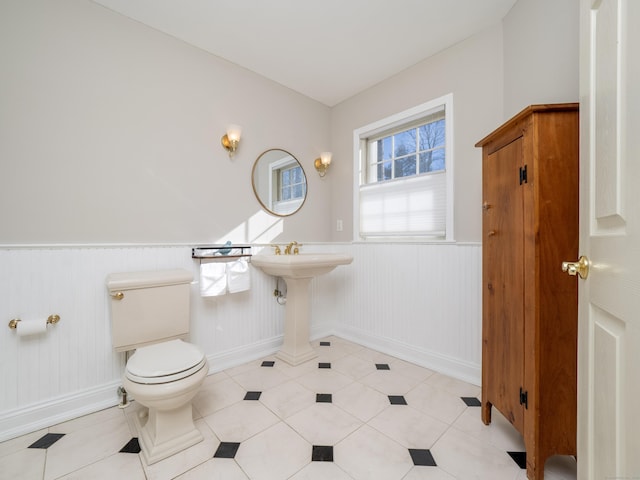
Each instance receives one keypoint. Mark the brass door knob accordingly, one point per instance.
(580, 268)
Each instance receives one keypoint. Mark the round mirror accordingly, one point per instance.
(279, 182)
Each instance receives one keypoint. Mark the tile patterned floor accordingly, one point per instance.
(352, 413)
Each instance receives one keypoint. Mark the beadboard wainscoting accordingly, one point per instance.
(421, 303)
(418, 302)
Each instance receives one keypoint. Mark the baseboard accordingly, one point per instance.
(453, 367)
(41, 415)
(21, 421)
(247, 353)
(37, 416)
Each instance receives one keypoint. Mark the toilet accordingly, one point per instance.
(150, 314)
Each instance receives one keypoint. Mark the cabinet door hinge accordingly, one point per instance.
(523, 398)
(523, 175)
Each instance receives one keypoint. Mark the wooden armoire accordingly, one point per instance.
(529, 306)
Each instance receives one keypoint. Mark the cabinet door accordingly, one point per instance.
(503, 283)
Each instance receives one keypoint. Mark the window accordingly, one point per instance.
(292, 184)
(405, 174)
(289, 185)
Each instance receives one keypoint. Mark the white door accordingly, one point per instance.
(609, 299)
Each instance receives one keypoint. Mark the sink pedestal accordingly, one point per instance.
(298, 271)
(296, 348)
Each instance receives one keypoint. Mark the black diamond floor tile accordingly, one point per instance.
(324, 365)
(382, 366)
(47, 440)
(397, 400)
(325, 344)
(422, 457)
(268, 363)
(252, 396)
(520, 458)
(321, 453)
(227, 450)
(471, 401)
(132, 446)
(324, 398)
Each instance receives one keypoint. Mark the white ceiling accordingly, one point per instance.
(328, 50)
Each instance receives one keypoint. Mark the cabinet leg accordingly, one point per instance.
(536, 458)
(486, 413)
(534, 473)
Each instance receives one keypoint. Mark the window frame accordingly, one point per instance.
(406, 118)
(275, 185)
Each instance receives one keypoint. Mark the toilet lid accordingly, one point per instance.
(164, 362)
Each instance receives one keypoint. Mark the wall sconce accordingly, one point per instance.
(231, 139)
(322, 163)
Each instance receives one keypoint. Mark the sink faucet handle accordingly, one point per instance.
(277, 250)
(287, 249)
(296, 250)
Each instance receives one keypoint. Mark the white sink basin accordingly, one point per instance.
(303, 265)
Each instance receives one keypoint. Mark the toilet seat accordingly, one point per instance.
(164, 362)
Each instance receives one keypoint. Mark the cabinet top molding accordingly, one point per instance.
(531, 109)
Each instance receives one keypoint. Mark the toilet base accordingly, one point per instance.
(153, 433)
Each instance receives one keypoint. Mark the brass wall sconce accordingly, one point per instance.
(231, 139)
(322, 163)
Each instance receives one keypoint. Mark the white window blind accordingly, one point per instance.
(403, 177)
(409, 207)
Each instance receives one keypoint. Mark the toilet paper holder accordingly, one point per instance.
(51, 320)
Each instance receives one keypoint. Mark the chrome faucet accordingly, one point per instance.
(296, 250)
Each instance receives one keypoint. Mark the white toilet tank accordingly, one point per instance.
(148, 307)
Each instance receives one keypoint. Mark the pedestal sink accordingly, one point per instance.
(297, 271)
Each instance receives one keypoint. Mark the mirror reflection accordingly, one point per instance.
(279, 182)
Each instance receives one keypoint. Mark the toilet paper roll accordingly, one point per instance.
(26, 328)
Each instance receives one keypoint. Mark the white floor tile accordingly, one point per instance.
(361, 401)
(353, 366)
(287, 399)
(26, 464)
(324, 380)
(85, 446)
(90, 420)
(216, 396)
(409, 427)
(367, 454)
(436, 402)
(323, 424)
(428, 473)
(410, 370)
(453, 385)
(321, 471)
(274, 454)
(389, 383)
(499, 433)
(260, 378)
(119, 465)
(241, 421)
(20, 443)
(215, 469)
(468, 458)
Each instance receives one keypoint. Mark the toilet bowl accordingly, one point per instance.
(150, 314)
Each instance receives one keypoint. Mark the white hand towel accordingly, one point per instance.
(238, 275)
(213, 279)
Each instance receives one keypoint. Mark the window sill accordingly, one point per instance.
(405, 240)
